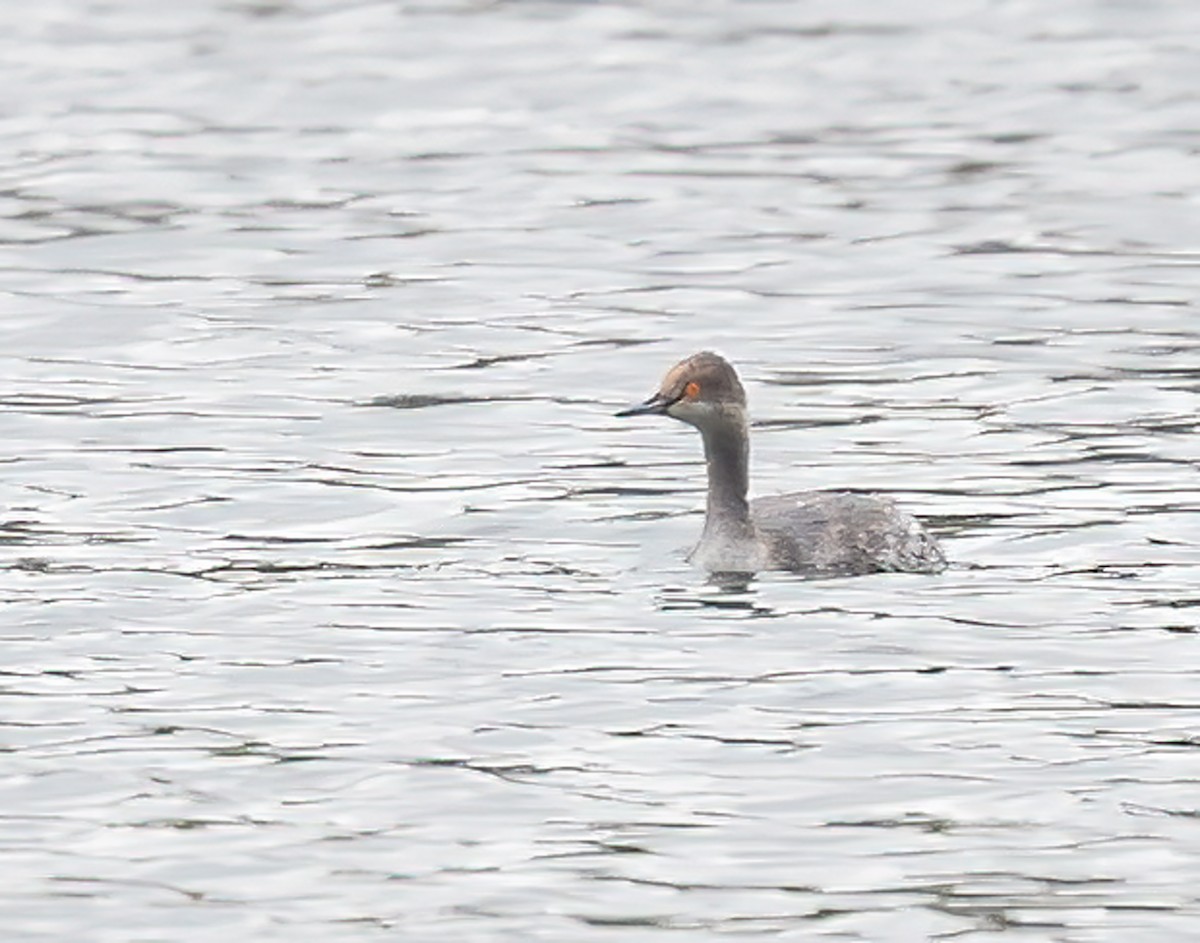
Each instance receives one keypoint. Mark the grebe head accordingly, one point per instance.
(702, 390)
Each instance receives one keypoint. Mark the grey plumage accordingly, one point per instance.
(831, 533)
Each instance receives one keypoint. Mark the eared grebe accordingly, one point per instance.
(811, 531)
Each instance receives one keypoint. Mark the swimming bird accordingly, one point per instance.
(817, 532)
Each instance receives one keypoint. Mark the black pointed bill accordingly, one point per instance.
(656, 405)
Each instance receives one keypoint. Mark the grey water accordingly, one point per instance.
(336, 606)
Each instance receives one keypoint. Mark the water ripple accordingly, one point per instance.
(336, 600)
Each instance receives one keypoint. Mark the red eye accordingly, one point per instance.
(692, 390)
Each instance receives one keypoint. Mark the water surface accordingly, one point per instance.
(336, 604)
